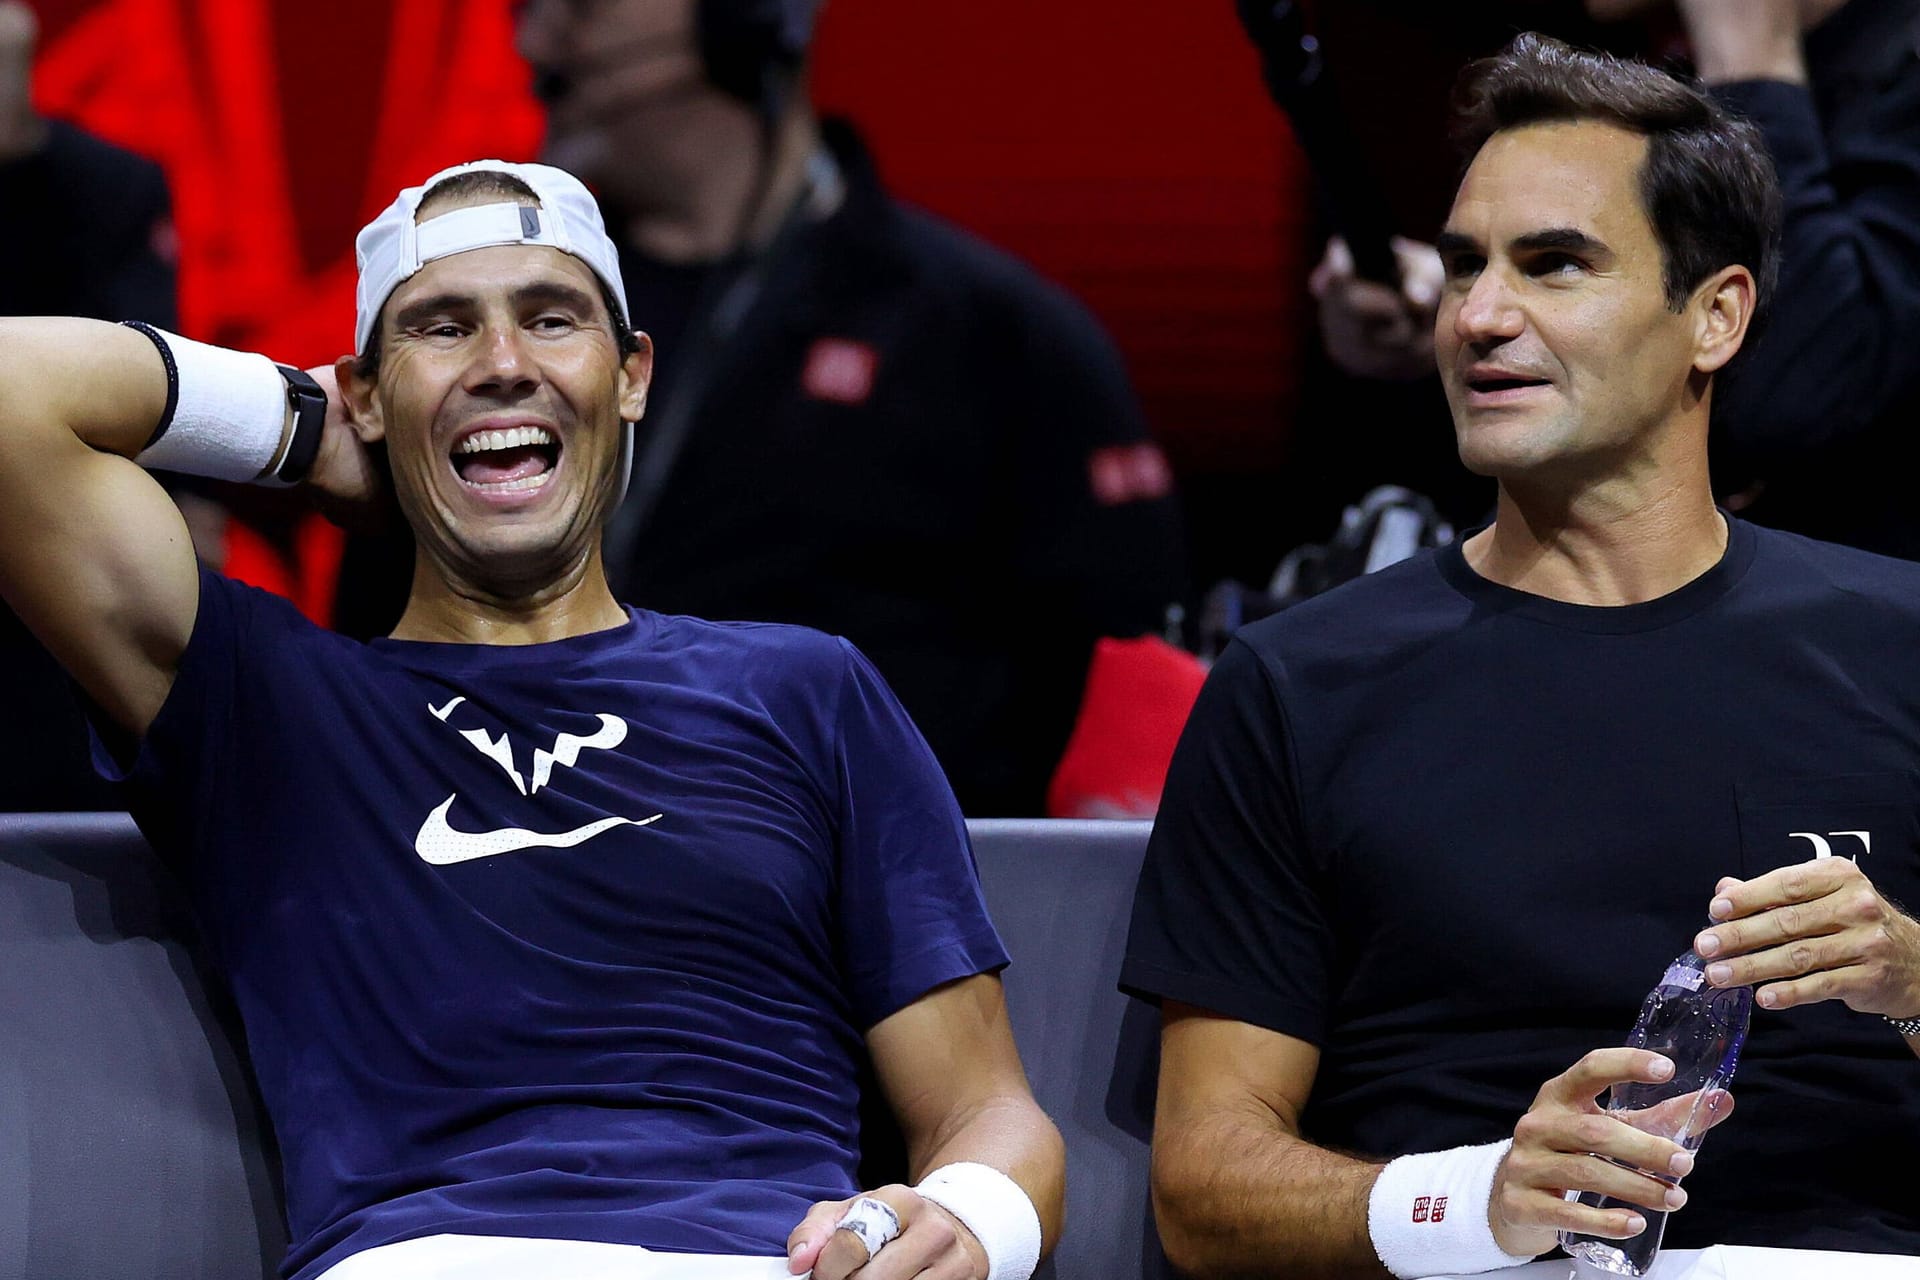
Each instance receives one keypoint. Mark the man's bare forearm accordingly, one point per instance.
(1238, 1195)
(1012, 1134)
(1747, 39)
(102, 382)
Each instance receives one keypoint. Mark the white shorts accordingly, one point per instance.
(450, 1257)
(1738, 1262)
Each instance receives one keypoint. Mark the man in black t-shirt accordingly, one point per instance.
(1430, 837)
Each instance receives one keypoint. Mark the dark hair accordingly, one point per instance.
(1707, 185)
(486, 182)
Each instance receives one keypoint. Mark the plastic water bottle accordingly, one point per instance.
(1700, 1029)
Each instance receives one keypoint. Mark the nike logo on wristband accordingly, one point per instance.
(440, 844)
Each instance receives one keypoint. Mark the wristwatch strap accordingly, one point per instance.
(309, 405)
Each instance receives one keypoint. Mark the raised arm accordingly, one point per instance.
(948, 1066)
(94, 556)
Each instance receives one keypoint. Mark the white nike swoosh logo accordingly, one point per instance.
(438, 843)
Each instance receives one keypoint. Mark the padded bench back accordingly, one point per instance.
(1061, 893)
(132, 1143)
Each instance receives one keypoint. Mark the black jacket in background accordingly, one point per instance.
(944, 522)
(1824, 410)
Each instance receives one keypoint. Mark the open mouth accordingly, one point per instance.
(1506, 382)
(507, 460)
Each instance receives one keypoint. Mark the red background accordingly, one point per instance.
(1124, 147)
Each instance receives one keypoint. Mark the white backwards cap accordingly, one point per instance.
(392, 247)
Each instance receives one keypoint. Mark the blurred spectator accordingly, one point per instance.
(1814, 434)
(863, 420)
(85, 229)
(1373, 329)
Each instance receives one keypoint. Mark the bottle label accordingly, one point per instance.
(1684, 976)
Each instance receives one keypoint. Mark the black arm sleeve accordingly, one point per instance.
(1837, 352)
(1229, 915)
(1110, 562)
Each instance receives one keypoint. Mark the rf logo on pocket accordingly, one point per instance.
(1823, 844)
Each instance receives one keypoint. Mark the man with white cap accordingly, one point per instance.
(559, 929)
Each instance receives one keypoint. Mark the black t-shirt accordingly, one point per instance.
(1451, 833)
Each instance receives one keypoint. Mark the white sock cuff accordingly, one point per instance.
(1427, 1215)
(227, 411)
(993, 1207)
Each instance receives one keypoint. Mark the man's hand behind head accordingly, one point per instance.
(347, 482)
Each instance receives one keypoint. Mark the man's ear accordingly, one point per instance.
(362, 405)
(1723, 306)
(636, 376)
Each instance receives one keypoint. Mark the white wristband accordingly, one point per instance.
(1427, 1215)
(227, 411)
(995, 1209)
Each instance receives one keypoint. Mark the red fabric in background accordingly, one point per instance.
(1124, 147)
(307, 576)
(259, 112)
(1139, 694)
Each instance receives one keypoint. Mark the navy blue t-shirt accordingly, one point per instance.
(1451, 833)
(568, 940)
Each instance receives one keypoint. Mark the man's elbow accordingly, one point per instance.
(1177, 1185)
(1051, 1203)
